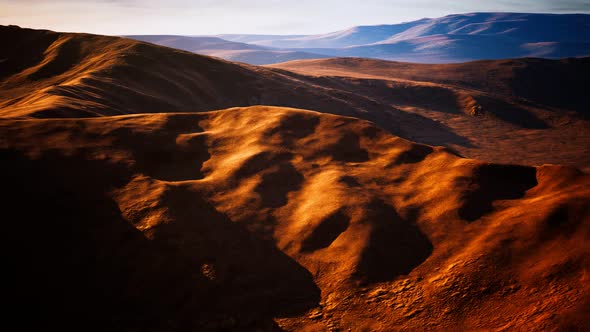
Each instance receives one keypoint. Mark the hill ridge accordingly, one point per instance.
(153, 201)
(310, 219)
(88, 75)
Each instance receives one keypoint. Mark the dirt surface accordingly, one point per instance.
(537, 107)
(483, 110)
(299, 219)
(132, 203)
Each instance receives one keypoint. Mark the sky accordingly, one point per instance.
(207, 17)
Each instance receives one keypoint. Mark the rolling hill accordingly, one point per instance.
(559, 83)
(79, 75)
(297, 219)
(499, 105)
(138, 197)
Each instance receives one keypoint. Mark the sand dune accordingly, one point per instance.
(296, 219)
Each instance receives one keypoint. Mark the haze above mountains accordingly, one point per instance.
(453, 38)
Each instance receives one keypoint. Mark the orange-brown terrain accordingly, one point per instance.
(186, 217)
(537, 107)
(483, 110)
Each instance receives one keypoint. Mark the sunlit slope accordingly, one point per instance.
(481, 110)
(49, 74)
(326, 221)
(537, 107)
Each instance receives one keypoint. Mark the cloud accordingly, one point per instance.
(247, 16)
(570, 6)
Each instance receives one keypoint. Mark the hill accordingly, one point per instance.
(297, 220)
(558, 83)
(80, 75)
(134, 202)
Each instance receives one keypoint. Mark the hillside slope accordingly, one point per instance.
(535, 106)
(301, 220)
(82, 75)
(79, 75)
(559, 83)
(132, 205)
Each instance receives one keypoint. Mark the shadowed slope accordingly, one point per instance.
(79, 75)
(279, 204)
(558, 83)
(96, 255)
(99, 75)
(47, 74)
(535, 106)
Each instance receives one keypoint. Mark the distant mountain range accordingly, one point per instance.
(453, 38)
(229, 50)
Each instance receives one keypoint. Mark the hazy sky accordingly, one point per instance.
(192, 17)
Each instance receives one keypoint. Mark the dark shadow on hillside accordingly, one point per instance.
(419, 129)
(367, 104)
(326, 232)
(292, 128)
(493, 182)
(396, 245)
(277, 182)
(165, 155)
(561, 84)
(348, 149)
(25, 49)
(249, 272)
(415, 154)
(58, 60)
(435, 98)
(511, 113)
(76, 263)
